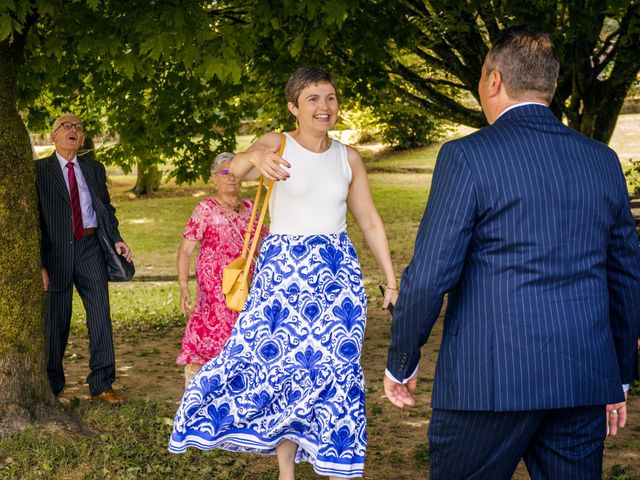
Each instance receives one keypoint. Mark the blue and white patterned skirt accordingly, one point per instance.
(291, 368)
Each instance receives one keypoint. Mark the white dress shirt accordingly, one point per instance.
(89, 218)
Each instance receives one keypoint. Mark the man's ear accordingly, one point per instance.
(495, 82)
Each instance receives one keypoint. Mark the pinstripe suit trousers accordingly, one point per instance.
(564, 443)
(90, 279)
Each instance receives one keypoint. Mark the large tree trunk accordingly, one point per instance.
(595, 112)
(25, 392)
(148, 179)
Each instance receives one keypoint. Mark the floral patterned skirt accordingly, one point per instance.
(291, 368)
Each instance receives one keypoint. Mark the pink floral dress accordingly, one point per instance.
(211, 322)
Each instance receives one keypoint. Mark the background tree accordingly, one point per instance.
(438, 60)
(153, 86)
(41, 44)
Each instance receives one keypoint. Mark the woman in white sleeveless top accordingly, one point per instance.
(289, 380)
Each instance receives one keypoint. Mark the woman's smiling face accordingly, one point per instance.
(317, 107)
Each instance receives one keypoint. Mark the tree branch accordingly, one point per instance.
(629, 25)
(604, 54)
(439, 103)
(429, 59)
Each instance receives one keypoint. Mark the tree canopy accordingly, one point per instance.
(437, 61)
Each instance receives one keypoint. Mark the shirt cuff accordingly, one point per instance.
(625, 387)
(388, 374)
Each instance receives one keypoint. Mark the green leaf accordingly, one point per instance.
(235, 70)
(156, 46)
(335, 12)
(318, 36)
(214, 67)
(178, 19)
(189, 54)
(296, 46)
(85, 44)
(6, 26)
(128, 67)
(46, 9)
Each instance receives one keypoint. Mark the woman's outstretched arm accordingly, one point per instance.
(261, 158)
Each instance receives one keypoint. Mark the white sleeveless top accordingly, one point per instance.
(313, 200)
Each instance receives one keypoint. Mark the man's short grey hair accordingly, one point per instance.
(220, 159)
(527, 60)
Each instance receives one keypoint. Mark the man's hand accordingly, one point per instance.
(616, 416)
(45, 279)
(401, 395)
(123, 249)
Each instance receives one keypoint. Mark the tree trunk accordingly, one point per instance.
(88, 149)
(597, 114)
(25, 393)
(148, 180)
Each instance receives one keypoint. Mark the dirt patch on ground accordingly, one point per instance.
(397, 439)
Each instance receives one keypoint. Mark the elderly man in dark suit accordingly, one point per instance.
(72, 193)
(529, 231)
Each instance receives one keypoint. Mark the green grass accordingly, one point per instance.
(138, 306)
(129, 443)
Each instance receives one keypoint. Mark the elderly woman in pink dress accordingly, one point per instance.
(218, 224)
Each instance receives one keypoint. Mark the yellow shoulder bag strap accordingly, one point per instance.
(258, 229)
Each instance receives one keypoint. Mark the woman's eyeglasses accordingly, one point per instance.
(225, 171)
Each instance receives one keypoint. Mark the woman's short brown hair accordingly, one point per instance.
(302, 78)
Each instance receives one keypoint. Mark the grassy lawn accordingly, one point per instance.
(130, 442)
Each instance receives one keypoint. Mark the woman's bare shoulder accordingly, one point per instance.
(353, 155)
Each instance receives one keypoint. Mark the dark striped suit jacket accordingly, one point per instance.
(55, 215)
(529, 231)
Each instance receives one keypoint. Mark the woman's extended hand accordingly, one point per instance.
(185, 301)
(270, 164)
(390, 297)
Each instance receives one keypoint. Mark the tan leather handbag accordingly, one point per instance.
(235, 276)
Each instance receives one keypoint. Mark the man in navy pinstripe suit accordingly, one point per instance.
(528, 230)
(71, 255)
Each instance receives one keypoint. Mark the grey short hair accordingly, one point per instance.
(220, 159)
(527, 61)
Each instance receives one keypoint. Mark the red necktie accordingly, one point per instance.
(76, 211)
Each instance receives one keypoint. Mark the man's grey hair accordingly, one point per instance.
(220, 159)
(527, 60)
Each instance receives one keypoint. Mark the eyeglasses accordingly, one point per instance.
(68, 125)
(225, 171)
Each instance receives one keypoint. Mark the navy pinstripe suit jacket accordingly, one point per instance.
(529, 231)
(56, 225)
